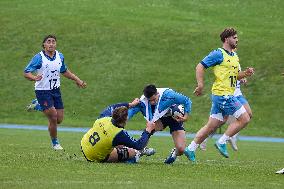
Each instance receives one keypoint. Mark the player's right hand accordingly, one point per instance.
(150, 126)
(37, 77)
(198, 91)
(134, 102)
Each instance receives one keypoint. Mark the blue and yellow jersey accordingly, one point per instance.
(100, 140)
(225, 67)
(97, 143)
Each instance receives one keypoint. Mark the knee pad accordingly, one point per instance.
(122, 153)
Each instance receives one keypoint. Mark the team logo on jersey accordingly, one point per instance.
(235, 67)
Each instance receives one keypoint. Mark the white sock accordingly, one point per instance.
(223, 139)
(193, 146)
(235, 136)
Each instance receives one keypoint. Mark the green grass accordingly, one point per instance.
(27, 161)
(120, 46)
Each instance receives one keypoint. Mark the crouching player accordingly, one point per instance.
(154, 105)
(108, 141)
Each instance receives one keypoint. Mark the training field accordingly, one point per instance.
(27, 161)
(119, 46)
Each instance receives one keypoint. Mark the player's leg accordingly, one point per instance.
(178, 134)
(60, 115)
(203, 144)
(151, 151)
(215, 120)
(51, 115)
(233, 139)
(232, 106)
(123, 154)
(241, 122)
(46, 101)
(201, 135)
(34, 106)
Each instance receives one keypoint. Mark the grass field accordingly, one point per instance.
(27, 161)
(118, 47)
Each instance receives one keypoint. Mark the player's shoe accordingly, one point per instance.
(57, 147)
(189, 154)
(202, 146)
(222, 149)
(172, 157)
(233, 143)
(148, 151)
(280, 171)
(33, 106)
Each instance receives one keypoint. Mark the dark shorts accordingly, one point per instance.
(172, 123)
(49, 98)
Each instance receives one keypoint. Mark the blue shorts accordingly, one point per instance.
(49, 98)
(242, 99)
(173, 124)
(224, 106)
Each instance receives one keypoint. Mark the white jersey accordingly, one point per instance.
(157, 115)
(50, 72)
(238, 91)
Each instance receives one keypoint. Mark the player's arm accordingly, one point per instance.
(123, 138)
(33, 65)
(181, 99)
(199, 72)
(135, 102)
(68, 74)
(126, 104)
(246, 73)
(134, 110)
(214, 58)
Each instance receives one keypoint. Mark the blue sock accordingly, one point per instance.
(54, 141)
(132, 160)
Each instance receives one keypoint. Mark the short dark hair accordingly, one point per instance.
(46, 37)
(228, 32)
(119, 115)
(149, 90)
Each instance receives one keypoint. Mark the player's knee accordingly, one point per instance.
(59, 121)
(250, 114)
(122, 154)
(246, 119)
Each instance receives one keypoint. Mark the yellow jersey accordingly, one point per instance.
(226, 74)
(97, 142)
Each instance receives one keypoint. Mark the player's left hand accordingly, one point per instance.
(198, 91)
(249, 71)
(181, 118)
(81, 84)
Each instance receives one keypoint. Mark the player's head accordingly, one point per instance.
(150, 92)
(229, 36)
(49, 42)
(119, 116)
